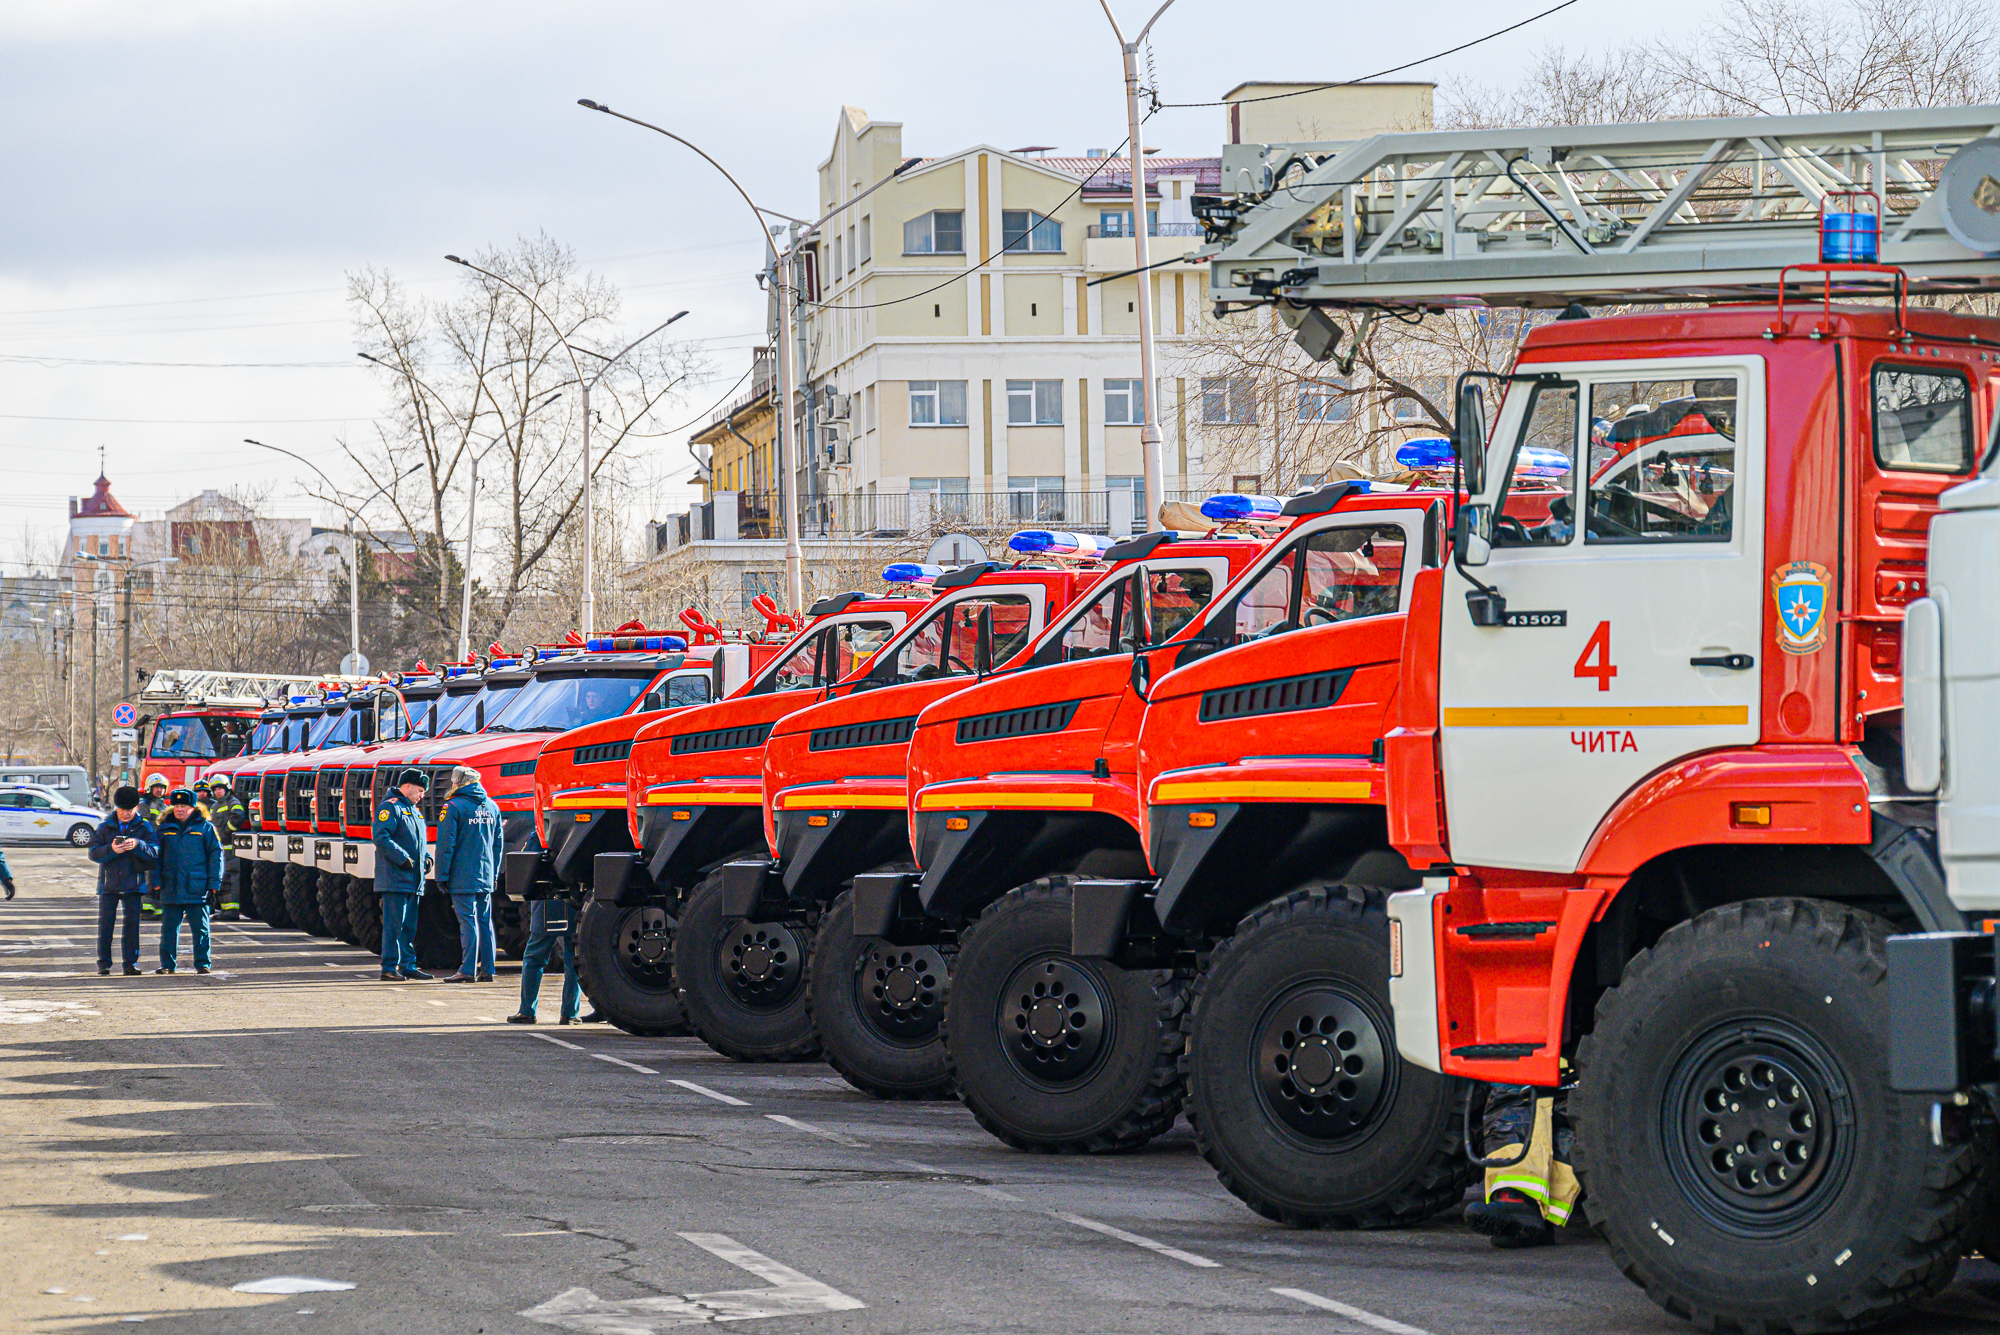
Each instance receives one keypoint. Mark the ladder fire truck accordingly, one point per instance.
(1678, 752)
(192, 718)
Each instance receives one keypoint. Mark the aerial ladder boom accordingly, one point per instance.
(1696, 210)
(175, 688)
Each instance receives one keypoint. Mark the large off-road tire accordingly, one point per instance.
(267, 892)
(364, 914)
(625, 960)
(877, 1008)
(302, 899)
(1055, 1053)
(437, 933)
(743, 982)
(1298, 1097)
(1738, 1143)
(510, 927)
(333, 906)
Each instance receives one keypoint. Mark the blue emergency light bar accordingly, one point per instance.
(1536, 461)
(910, 572)
(1050, 542)
(503, 663)
(459, 671)
(1425, 452)
(651, 644)
(298, 700)
(1233, 506)
(336, 698)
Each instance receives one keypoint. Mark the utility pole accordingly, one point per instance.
(1149, 430)
(782, 272)
(125, 682)
(93, 685)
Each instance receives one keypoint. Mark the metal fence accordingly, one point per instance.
(889, 514)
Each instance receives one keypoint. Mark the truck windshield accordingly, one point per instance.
(341, 733)
(557, 704)
(188, 738)
(321, 726)
(420, 708)
(943, 645)
(448, 711)
(491, 702)
(301, 729)
(261, 737)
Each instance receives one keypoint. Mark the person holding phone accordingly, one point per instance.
(125, 848)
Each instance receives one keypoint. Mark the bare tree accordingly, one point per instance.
(494, 366)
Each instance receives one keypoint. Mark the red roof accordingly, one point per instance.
(101, 503)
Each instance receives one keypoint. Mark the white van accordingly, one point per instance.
(66, 781)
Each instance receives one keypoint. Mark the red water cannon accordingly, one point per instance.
(776, 622)
(699, 626)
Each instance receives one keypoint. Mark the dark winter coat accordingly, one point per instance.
(124, 873)
(399, 847)
(190, 860)
(470, 846)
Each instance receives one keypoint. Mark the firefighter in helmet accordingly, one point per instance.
(154, 809)
(227, 814)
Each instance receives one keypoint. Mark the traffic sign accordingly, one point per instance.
(124, 716)
(354, 665)
(124, 734)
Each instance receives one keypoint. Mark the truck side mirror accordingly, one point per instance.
(364, 722)
(1142, 675)
(982, 644)
(1468, 435)
(1472, 533)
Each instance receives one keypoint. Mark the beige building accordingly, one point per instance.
(968, 339)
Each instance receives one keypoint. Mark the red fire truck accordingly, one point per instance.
(1647, 752)
(631, 815)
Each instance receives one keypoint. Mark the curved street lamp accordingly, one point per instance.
(781, 271)
(587, 604)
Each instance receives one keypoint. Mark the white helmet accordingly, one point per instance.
(158, 778)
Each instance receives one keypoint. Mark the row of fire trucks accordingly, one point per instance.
(1635, 747)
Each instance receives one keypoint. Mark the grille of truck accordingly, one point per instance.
(327, 792)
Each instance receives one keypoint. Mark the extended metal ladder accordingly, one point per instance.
(1668, 211)
(179, 687)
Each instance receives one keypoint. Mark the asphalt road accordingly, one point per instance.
(164, 1140)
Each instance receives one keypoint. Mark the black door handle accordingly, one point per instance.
(1734, 662)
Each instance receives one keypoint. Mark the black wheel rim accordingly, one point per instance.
(761, 964)
(1753, 1128)
(898, 990)
(646, 949)
(1325, 1068)
(1055, 1021)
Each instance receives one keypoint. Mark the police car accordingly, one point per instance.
(31, 812)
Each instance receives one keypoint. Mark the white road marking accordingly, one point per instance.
(790, 1294)
(1185, 1258)
(620, 1061)
(1352, 1313)
(331, 964)
(429, 1002)
(489, 1019)
(837, 1137)
(706, 1092)
(551, 1038)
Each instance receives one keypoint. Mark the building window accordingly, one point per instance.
(1025, 230)
(943, 484)
(104, 546)
(1325, 401)
(1249, 484)
(867, 238)
(1118, 222)
(1228, 401)
(851, 258)
(756, 582)
(1409, 410)
(940, 232)
(834, 270)
(937, 403)
(1034, 403)
(1124, 403)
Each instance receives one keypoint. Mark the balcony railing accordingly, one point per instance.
(890, 514)
(1099, 232)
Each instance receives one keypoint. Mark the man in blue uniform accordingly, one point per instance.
(399, 874)
(189, 871)
(124, 850)
(469, 850)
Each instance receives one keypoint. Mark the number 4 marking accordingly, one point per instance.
(1599, 647)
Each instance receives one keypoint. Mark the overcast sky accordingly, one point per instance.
(186, 181)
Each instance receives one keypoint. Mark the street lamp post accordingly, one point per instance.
(471, 511)
(1149, 430)
(781, 273)
(353, 538)
(587, 609)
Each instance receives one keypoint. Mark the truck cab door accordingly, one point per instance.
(1628, 542)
